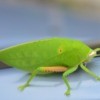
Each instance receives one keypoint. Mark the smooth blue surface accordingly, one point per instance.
(20, 24)
(83, 87)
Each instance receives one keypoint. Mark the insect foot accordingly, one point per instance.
(67, 92)
(22, 87)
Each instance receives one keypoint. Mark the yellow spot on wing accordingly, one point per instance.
(60, 50)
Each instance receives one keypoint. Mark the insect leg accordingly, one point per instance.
(66, 73)
(43, 70)
(89, 72)
(22, 87)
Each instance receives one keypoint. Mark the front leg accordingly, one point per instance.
(89, 72)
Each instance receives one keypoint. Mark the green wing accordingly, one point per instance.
(31, 55)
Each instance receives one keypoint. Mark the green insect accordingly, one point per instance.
(50, 56)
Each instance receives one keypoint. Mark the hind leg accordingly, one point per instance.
(22, 87)
(44, 70)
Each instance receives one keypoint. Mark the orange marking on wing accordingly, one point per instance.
(55, 69)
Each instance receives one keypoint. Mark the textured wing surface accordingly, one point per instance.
(48, 52)
(32, 54)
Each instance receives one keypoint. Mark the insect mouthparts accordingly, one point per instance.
(92, 54)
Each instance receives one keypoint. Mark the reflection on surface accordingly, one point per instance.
(83, 85)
